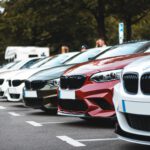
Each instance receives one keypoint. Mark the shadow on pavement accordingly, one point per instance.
(42, 113)
(92, 123)
(132, 146)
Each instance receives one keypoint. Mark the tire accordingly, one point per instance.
(49, 110)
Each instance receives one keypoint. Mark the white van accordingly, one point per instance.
(17, 53)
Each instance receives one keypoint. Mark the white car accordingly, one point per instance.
(7, 73)
(16, 65)
(15, 69)
(132, 102)
(8, 65)
(16, 81)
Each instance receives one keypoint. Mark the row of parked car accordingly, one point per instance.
(87, 85)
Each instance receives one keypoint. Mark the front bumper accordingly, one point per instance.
(92, 100)
(15, 93)
(41, 98)
(4, 90)
(133, 116)
(133, 138)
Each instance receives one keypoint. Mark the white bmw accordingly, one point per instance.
(132, 102)
(6, 74)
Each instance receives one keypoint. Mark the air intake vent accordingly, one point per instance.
(17, 82)
(145, 83)
(71, 105)
(139, 122)
(15, 96)
(35, 85)
(38, 84)
(1, 81)
(130, 82)
(72, 82)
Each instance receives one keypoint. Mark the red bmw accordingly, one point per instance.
(86, 90)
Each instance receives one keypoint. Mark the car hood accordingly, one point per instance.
(26, 73)
(48, 74)
(3, 70)
(142, 63)
(8, 74)
(102, 65)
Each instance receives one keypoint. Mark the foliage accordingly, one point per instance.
(54, 23)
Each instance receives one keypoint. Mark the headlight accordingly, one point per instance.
(107, 76)
(54, 83)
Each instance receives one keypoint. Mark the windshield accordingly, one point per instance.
(9, 65)
(123, 49)
(13, 64)
(84, 56)
(29, 63)
(24, 64)
(40, 62)
(57, 60)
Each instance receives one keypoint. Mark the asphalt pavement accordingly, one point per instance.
(23, 128)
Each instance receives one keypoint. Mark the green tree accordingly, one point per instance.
(48, 23)
(130, 12)
(54, 23)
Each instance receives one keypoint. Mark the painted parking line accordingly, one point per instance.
(37, 124)
(104, 139)
(2, 107)
(70, 141)
(52, 122)
(14, 114)
(77, 142)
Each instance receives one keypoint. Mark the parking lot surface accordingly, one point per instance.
(25, 128)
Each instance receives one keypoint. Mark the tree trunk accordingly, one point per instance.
(101, 19)
(128, 28)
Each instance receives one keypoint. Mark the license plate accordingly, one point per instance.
(136, 107)
(30, 94)
(67, 94)
(12, 90)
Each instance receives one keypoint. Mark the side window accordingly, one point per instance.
(148, 49)
(28, 64)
